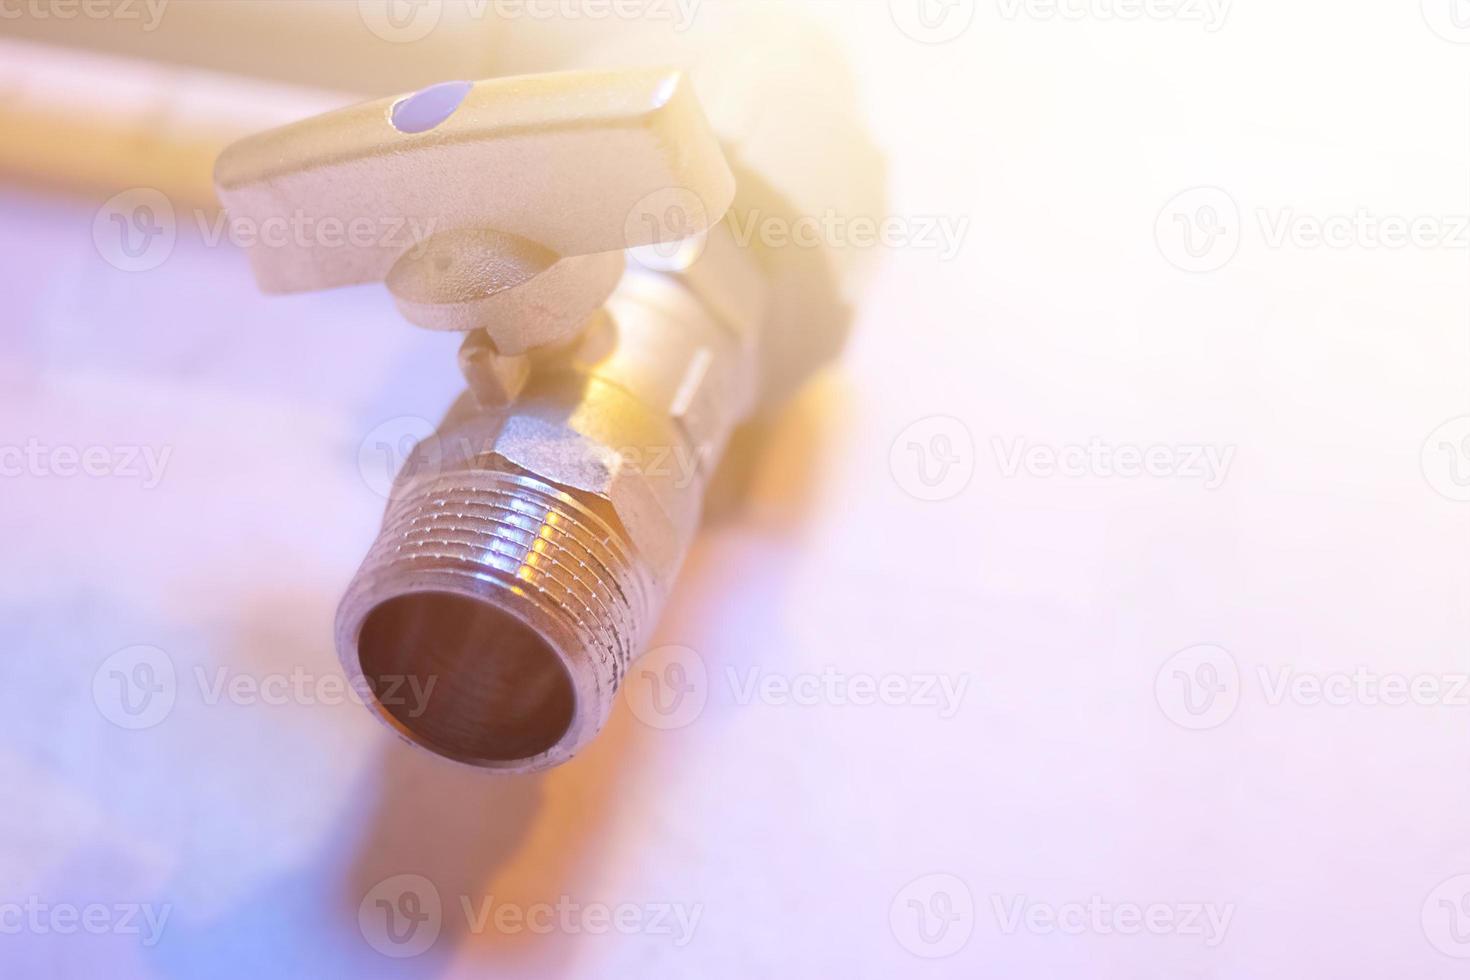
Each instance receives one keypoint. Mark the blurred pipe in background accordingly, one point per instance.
(150, 93)
(87, 122)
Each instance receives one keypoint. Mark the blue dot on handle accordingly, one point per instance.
(422, 111)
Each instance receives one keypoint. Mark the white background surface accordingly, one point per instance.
(801, 833)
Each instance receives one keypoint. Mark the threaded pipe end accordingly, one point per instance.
(493, 619)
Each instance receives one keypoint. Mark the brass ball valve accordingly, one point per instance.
(582, 229)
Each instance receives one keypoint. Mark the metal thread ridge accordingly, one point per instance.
(527, 547)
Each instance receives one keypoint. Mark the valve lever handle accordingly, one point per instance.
(503, 204)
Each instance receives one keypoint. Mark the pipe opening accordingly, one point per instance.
(464, 678)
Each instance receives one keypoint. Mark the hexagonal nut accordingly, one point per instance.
(658, 515)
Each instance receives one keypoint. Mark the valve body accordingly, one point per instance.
(530, 544)
(528, 549)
